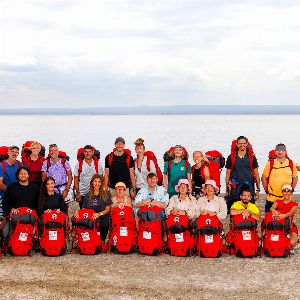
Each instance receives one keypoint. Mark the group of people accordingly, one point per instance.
(44, 183)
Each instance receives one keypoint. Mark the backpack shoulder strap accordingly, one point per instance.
(186, 165)
(96, 164)
(169, 167)
(271, 166)
(148, 163)
(110, 158)
(80, 163)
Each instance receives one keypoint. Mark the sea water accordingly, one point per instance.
(160, 132)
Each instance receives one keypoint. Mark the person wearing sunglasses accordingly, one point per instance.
(287, 208)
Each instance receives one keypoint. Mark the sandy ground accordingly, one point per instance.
(111, 276)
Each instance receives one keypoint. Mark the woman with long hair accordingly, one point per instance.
(49, 199)
(140, 165)
(99, 201)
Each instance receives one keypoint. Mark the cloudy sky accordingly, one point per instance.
(91, 53)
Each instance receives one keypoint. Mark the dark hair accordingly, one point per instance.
(90, 147)
(44, 192)
(241, 137)
(245, 188)
(102, 191)
(24, 167)
(13, 147)
(280, 145)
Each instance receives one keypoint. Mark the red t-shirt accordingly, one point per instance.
(285, 207)
(35, 167)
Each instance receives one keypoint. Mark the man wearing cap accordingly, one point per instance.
(88, 169)
(278, 172)
(119, 167)
(241, 170)
(152, 194)
(8, 170)
(176, 169)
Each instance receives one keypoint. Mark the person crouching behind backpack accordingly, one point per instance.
(287, 208)
(98, 200)
(210, 204)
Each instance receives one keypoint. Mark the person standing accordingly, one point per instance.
(278, 172)
(59, 169)
(84, 171)
(8, 170)
(176, 169)
(119, 167)
(242, 170)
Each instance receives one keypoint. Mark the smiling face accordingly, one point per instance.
(197, 157)
(241, 145)
(246, 197)
(23, 176)
(13, 154)
(88, 154)
(119, 146)
(152, 181)
(183, 188)
(140, 150)
(97, 183)
(50, 185)
(287, 193)
(53, 151)
(178, 152)
(35, 148)
(120, 191)
(209, 190)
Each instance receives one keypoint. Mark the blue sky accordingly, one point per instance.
(91, 53)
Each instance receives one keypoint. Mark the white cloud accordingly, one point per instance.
(204, 51)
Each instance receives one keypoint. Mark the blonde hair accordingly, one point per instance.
(205, 159)
(37, 144)
(139, 142)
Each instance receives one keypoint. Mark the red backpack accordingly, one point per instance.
(169, 156)
(150, 156)
(242, 237)
(86, 229)
(250, 155)
(111, 157)
(3, 153)
(209, 241)
(24, 232)
(63, 156)
(80, 158)
(180, 238)
(150, 230)
(276, 242)
(272, 156)
(53, 236)
(122, 237)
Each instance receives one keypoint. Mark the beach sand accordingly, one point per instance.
(111, 276)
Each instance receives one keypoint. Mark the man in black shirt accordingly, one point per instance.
(119, 167)
(242, 170)
(21, 193)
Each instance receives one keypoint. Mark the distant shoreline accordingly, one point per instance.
(162, 110)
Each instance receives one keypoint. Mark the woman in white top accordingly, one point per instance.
(183, 203)
(140, 165)
(210, 204)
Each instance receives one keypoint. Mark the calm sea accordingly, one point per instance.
(195, 132)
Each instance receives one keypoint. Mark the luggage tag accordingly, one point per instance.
(179, 237)
(85, 236)
(123, 231)
(147, 235)
(209, 239)
(23, 236)
(275, 237)
(246, 235)
(53, 235)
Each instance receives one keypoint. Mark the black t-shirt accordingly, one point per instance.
(197, 178)
(55, 201)
(118, 170)
(241, 170)
(98, 205)
(17, 195)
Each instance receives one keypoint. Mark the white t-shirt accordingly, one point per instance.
(141, 175)
(86, 175)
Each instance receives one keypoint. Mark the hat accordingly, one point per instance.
(287, 186)
(119, 139)
(280, 147)
(120, 184)
(178, 146)
(183, 181)
(213, 183)
(151, 174)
